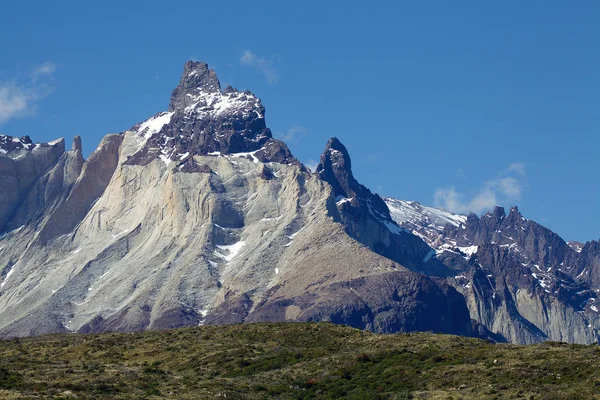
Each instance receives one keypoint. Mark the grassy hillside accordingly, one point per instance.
(292, 361)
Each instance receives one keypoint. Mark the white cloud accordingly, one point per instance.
(500, 190)
(509, 187)
(293, 134)
(46, 69)
(261, 64)
(517, 167)
(312, 165)
(13, 101)
(19, 98)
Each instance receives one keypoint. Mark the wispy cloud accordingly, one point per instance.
(293, 134)
(20, 98)
(312, 165)
(45, 70)
(495, 191)
(517, 167)
(261, 64)
(460, 173)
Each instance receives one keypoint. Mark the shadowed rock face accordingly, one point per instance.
(336, 169)
(384, 303)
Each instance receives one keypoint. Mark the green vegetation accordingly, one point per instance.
(292, 361)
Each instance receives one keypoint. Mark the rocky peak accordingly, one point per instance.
(335, 167)
(203, 120)
(490, 222)
(9, 144)
(577, 246)
(499, 212)
(197, 79)
(366, 216)
(514, 217)
(76, 146)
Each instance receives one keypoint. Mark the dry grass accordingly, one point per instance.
(292, 361)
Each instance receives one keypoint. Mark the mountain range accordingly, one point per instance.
(198, 215)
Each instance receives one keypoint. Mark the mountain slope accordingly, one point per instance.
(197, 215)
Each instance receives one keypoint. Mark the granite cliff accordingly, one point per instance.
(198, 215)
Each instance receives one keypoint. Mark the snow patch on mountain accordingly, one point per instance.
(154, 124)
(469, 250)
(212, 104)
(577, 246)
(230, 251)
(412, 211)
(423, 221)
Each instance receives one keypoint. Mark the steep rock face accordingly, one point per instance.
(49, 190)
(96, 173)
(586, 264)
(366, 216)
(520, 280)
(197, 215)
(196, 80)
(21, 163)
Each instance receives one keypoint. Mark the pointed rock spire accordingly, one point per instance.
(336, 168)
(499, 212)
(76, 146)
(515, 216)
(197, 78)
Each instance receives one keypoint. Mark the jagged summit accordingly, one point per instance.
(13, 145)
(336, 168)
(197, 79)
(499, 212)
(198, 216)
(204, 120)
(9, 143)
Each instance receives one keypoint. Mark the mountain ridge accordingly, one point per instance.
(198, 215)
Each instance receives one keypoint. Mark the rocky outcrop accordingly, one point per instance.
(48, 190)
(197, 79)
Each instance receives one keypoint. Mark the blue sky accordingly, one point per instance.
(458, 104)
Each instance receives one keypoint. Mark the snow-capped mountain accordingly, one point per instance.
(204, 120)
(519, 255)
(426, 222)
(197, 215)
